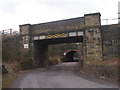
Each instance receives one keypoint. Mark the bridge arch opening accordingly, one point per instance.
(41, 50)
(71, 56)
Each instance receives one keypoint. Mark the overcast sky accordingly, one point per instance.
(17, 12)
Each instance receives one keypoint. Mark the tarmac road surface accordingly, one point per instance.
(58, 76)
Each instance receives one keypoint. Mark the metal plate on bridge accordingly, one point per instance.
(80, 33)
(42, 37)
(56, 35)
(72, 34)
(35, 38)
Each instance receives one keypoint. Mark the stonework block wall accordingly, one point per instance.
(25, 29)
(93, 43)
(92, 19)
(58, 26)
(110, 41)
(25, 33)
(102, 71)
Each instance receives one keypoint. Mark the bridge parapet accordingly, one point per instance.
(62, 26)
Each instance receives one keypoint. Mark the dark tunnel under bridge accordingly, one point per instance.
(41, 48)
(69, 56)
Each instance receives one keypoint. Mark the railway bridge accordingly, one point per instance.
(85, 30)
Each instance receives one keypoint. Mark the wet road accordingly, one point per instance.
(58, 76)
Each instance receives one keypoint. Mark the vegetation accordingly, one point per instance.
(11, 57)
(11, 48)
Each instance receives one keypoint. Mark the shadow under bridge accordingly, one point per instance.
(41, 48)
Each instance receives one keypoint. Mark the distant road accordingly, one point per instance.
(58, 76)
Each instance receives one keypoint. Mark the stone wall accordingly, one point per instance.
(102, 71)
(58, 26)
(110, 41)
(92, 39)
